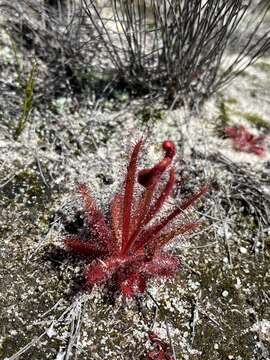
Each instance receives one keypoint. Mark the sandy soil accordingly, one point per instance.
(218, 305)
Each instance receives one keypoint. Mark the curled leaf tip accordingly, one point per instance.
(148, 177)
(170, 148)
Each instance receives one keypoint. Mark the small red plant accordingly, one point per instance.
(128, 249)
(243, 140)
(162, 350)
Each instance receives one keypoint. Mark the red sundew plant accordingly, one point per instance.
(128, 248)
(162, 350)
(243, 140)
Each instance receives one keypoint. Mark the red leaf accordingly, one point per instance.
(133, 285)
(100, 271)
(117, 218)
(148, 177)
(152, 232)
(142, 210)
(162, 350)
(95, 217)
(161, 265)
(156, 355)
(84, 248)
(128, 194)
(166, 238)
(162, 198)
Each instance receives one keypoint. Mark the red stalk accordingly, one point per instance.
(117, 218)
(128, 195)
(162, 198)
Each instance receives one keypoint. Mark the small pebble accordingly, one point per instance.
(225, 293)
(238, 283)
(243, 250)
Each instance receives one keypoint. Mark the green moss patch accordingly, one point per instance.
(254, 119)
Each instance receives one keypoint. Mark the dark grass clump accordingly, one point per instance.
(177, 47)
(174, 49)
(55, 35)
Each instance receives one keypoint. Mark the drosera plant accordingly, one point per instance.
(161, 351)
(245, 141)
(129, 248)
